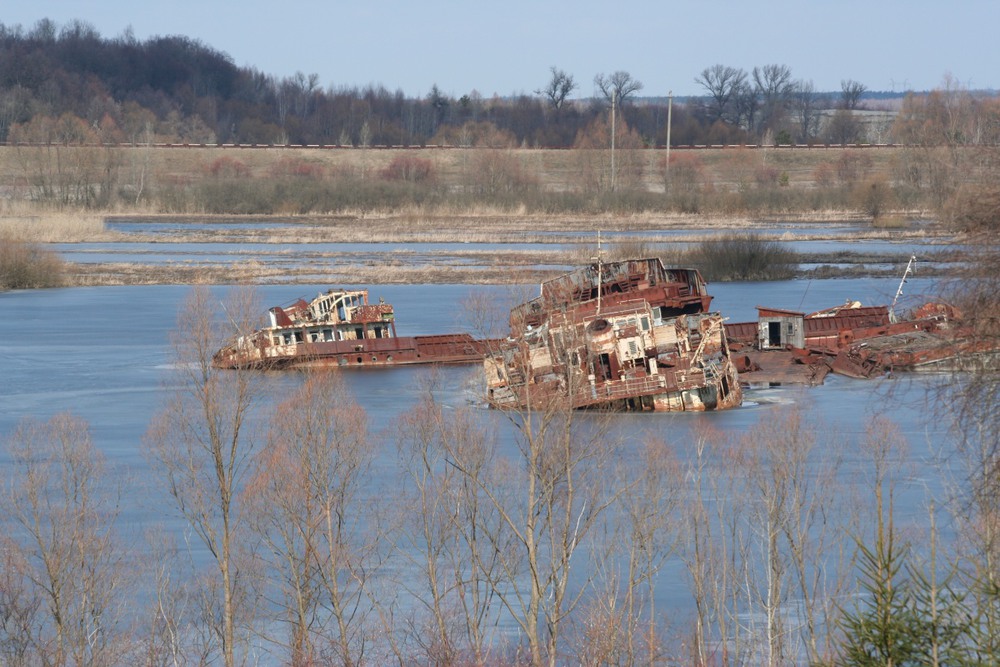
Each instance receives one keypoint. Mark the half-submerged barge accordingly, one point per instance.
(630, 335)
(789, 347)
(340, 328)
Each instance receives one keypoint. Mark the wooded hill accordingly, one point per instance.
(177, 89)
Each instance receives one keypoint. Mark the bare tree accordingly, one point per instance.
(842, 128)
(617, 87)
(790, 507)
(722, 83)
(546, 502)
(62, 509)
(850, 93)
(804, 103)
(708, 550)
(543, 498)
(202, 446)
(558, 89)
(746, 101)
(595, 171)
(20, 605)
(975, 391)
(442, 532)
(623, 624)
(773, 84)
(307, 506)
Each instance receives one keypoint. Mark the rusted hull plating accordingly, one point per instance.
(397, 351)
(623, 336)
(918, 350)
(855, 341)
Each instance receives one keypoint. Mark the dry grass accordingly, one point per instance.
(340, 274)
(51, 227)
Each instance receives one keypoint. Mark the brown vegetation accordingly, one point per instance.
(28, 265)
(742, 257)
(337, 181)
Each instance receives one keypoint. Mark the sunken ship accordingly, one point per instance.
(628, 335)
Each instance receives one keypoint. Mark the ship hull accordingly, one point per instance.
(363, 353)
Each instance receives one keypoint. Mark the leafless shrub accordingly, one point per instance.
(499, 172)
(766, 176)
(409, 169)
(297, 168)
(28, 266)
(873, 197)
(824, 174)
(228, 167)
(743, 257)
(852, 166)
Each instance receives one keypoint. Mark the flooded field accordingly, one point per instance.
(301, 251)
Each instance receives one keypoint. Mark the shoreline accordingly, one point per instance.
(557, 241)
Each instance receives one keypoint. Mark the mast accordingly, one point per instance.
(600, 272)
(899, 291)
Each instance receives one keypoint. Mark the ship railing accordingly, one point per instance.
(638, 385)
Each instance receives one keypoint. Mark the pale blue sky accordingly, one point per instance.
(507, 46)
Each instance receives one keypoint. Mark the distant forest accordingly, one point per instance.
(70, 85)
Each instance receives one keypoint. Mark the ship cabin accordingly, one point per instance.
(674, 291)
(333, 316)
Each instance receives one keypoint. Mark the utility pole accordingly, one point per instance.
(670, 109)
(614, 99)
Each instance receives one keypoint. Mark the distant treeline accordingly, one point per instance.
(174, 88)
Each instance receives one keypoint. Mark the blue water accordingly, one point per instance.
(105, 354)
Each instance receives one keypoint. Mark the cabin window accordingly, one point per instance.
(297, 336)
(327, 334)
(359, 333)
(287, 338)
(378, 332)
(644, 322)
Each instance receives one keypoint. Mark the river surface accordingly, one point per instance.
(104, 354)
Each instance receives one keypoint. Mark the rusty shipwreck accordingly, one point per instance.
(629, 335)
(789, 347)
(341, 328)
